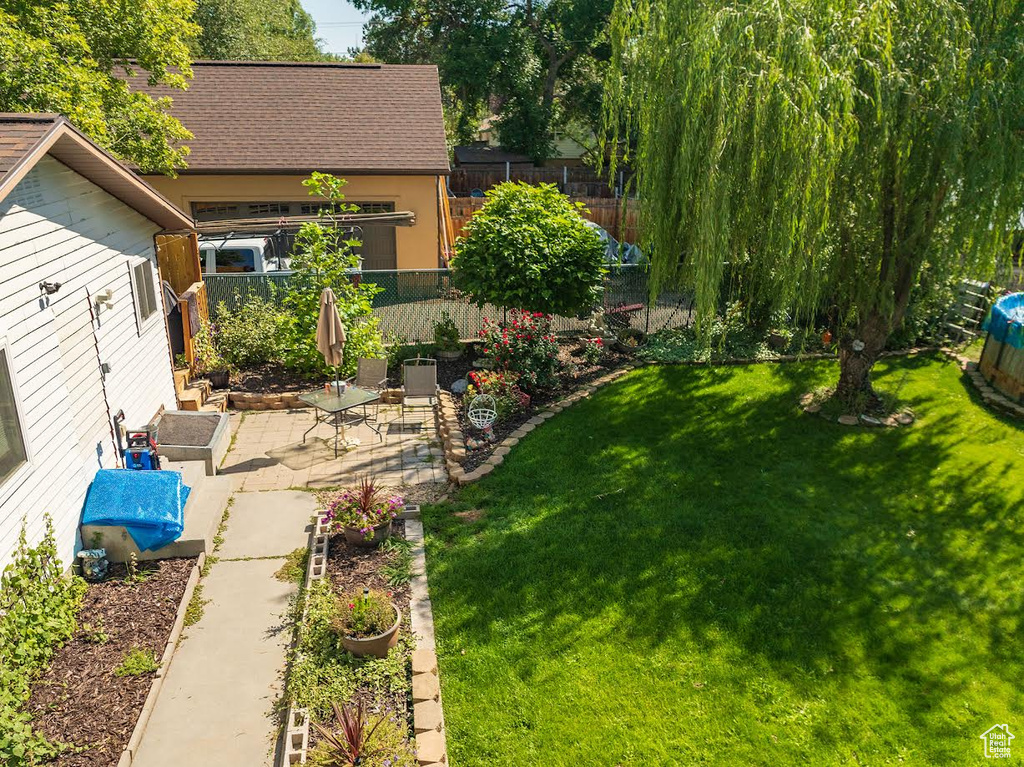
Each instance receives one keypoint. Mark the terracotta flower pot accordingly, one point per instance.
(377, 646)
(377, 536)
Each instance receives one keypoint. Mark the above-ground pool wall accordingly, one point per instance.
(1002, 365)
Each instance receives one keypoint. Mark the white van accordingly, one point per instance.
(232, 255)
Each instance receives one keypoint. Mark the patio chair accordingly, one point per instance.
(371, 374)
(419, 381)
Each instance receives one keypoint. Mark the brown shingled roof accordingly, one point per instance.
(26, 137)
(19, 133)
(288, 117)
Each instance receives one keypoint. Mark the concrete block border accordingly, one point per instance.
(129, 751)
(428, 721)
(296, 721)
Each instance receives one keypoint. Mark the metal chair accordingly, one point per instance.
(371, 374)
(419, 381)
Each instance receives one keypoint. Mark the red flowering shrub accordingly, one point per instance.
(523, 345)
(593, 350)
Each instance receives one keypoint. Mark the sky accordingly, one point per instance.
(337, 23)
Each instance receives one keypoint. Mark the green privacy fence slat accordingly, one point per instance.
(413, 300)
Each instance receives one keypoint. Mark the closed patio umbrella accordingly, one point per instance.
(330, 333)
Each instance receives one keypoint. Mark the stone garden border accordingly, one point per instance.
(428, 718)
(241, 400)
(991, 396)
(454, 440)
(129, 751)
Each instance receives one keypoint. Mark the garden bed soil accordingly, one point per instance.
(79, 700)
(272, 378)
(576, 373)
(350, 569)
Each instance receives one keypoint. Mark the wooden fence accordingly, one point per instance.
(575, 181)
(620, 218)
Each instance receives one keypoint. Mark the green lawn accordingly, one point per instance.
(684, 569)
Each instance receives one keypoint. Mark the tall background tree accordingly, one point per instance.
(65, 57)
(540, 62)
(824, 152)
(256, 30)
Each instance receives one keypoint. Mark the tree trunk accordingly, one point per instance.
(855, 363)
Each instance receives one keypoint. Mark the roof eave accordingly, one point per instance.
(69, 146)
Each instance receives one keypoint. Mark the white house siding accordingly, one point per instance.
(57, 226)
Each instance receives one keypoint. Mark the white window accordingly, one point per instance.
(13, 451)
(144, 289)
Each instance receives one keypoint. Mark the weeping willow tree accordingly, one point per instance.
(819, 154)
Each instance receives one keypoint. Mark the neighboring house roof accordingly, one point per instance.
(482, 154)
(25, 138)
(296, 117)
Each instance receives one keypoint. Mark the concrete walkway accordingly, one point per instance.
(216, 705)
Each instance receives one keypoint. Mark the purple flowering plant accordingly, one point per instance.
(362, 507)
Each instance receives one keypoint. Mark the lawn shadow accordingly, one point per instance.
(699, 508)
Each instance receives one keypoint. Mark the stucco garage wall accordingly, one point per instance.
(417, 245)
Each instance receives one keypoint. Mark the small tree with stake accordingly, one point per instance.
(820, 154)
(530, 248)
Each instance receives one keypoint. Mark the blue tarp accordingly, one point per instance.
(149, 504)
(1005, 320)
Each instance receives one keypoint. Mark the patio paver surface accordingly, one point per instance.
(269, 454)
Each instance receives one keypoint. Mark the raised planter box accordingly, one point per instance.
(186, 436)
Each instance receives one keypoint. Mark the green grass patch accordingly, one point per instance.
(196, 606)
(294, 568)
(137, 662)
(685, 569)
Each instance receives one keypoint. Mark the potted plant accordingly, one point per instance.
(628, 340)
(207, 360)
(363, 513)
(446, 338)
(367, 623)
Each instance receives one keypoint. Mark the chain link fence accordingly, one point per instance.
(411, 301)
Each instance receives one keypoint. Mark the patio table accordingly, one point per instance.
(335, 406)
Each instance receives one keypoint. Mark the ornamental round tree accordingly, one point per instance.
(819, 154)
(529, 248)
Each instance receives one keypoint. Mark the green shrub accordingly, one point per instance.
(207, 357)
(529, 248)
(38, 605)
(255, 332)
(321, 259)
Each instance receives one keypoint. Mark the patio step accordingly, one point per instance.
(196, 395)
(216, 403)
(182, 376)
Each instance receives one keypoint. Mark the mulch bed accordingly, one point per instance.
(79, 700)
(271, 378)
